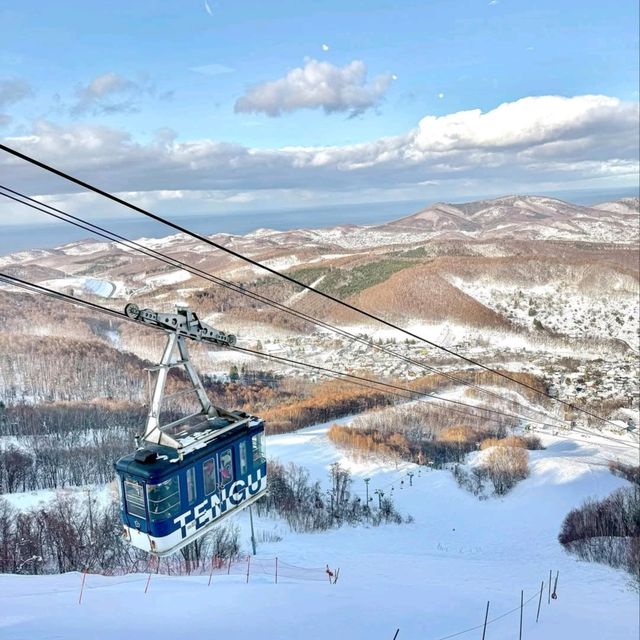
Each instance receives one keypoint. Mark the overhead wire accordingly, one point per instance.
(352, 378)
(136, 246)
(229, 251)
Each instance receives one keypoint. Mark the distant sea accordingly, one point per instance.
(21, 237)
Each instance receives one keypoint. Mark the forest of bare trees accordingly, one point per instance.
(307, 507)
(78, 532)
(607, 530)
(423, 433)
(427, 434)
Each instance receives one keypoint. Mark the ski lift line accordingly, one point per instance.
(591, 434)
(420, 394)
(323, 370)
(284, 276)
(110, 235)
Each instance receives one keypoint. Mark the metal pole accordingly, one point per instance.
(539, 601)
(366, 484)
(521, 607)
(486, 615)
(146, 586)
(90, 514)
(549, 596)
(253, 537)
(84, 577)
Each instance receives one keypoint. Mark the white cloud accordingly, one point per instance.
(325, 47)
(13, 90)
(207, 8)
(109, 93)
(317, 85)
(537, 142)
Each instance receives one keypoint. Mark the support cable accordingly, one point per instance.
(417, 395)
(136, 246)
(286, 277)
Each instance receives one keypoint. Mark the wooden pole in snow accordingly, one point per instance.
(84, 576)
(276, 569)
(539, 601)
(248, 567)
(486, 615)
(549, 596)
(521, 607)
(253, 537)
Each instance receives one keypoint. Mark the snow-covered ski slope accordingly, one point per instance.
(430, 578)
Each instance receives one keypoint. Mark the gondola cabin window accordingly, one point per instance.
(134, 495)
(242, 448)
(164, 499)
(226, 467)
(209, 473)
(191, 485)
(258, 450)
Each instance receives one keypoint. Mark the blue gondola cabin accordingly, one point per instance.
(168, 499)
(188, 475)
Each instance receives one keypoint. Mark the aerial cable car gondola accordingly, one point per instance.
(187, 476)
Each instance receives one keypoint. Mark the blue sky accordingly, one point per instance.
(212, 86)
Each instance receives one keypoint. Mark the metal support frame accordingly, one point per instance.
(180, 326)
(153, 430)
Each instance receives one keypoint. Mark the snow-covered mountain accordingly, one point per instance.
(480, 264)
(526, 217)
(507, 218)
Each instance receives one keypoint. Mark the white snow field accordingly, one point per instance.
(430, 578)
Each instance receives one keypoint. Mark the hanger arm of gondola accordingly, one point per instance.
(184, 322)
(180, 326)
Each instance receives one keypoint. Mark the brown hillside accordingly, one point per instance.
(421, 292)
